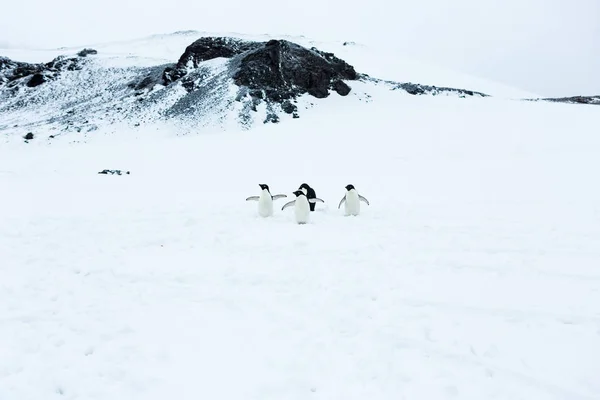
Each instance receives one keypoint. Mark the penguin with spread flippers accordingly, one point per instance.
(351, 201)
(301, 207)
(310, 194)
(265, 200)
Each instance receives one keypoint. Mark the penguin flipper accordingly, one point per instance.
(288, 204)
(253, 198)
(363, 199)
(278, 196)
(315, 200)
(342, 202)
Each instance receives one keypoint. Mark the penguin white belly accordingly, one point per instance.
(352, 204)
(302, 210)
(265, 204)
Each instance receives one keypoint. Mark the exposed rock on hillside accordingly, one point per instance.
(276, 70)
(32, 75)
(419, 89)
(281, 70)
(576, 100)
(217, 81)
(86, 52)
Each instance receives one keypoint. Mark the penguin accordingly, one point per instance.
(310, 194)
(352, 200)
(301, 207)
(265, 200)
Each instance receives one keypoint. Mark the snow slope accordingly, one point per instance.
(472, 275)
(376, 60)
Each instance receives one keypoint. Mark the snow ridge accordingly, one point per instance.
(217, 82)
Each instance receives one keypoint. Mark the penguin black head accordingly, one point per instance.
(263, 186)
(349, 187)
(299, 193)
(304, 186)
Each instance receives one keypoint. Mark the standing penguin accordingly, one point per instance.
(310, 194)
(301, 207)
(352, 200)
(265, 200)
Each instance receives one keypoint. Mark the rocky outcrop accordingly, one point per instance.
(575, 100)
(280, 70)
(275, 71)
(113, 172)
(207, 48)
(13, 72)
(417, 89)
(204, 49)
(87, 52)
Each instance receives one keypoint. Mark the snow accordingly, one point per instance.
(473, 274)
(380, 61)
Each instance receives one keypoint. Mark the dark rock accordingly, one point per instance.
(62, 63)
(149, 77)
(86, 52)
(595, 100)
(36, 80)
(277, 70)
(113, 172)
(144, 83)
(12, 71)
(418, 89)
(271, 117)
(171, 74)
(285, 70)
(28, 136)
(205, 49)
(288, 107)
(341, 88)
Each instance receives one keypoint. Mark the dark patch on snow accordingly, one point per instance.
(595, 100)
(11, 72)
(28, 136)
(112, 172)
(288, 107)
(149, 79)
(36, 80)
(417, 89)
(86, 52)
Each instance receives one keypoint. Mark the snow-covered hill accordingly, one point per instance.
(472, 274)
(129, 83)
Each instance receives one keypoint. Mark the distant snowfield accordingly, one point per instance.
(472, 275)
(377, 61)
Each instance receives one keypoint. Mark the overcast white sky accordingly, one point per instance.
(551, 47)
